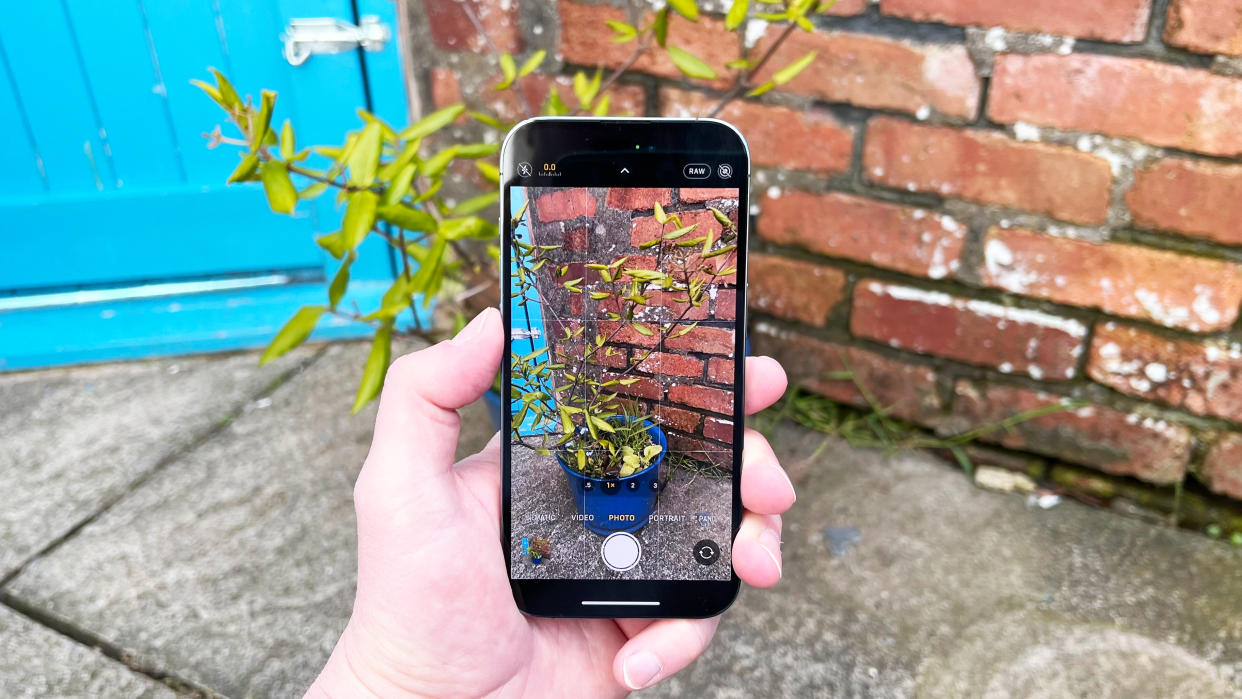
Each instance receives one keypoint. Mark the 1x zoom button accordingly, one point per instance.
(697, 171)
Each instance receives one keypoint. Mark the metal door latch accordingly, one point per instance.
(310, 35)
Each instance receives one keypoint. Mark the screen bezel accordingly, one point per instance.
(593, 152)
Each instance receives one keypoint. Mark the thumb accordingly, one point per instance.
(417, 425)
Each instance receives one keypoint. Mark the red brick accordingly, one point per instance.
(720, 370)
(970, 330)
(779, 137)
(1178, 291)
(618, 359)
(726, 304)
(565, 205)
(907, 391)
(989, 168)
(626, 334)
(678, 310)
(445, 90)
(1202, 377)
(1130, 97)
(1189, 196)
(643, 388)
(647, 228)
(906, 239)
(694, 195)
(1206, 26)
(452, 30)
(646, 262)
(508, 104)
(717, 429)
(1110, 440)
(872, 71)
(846, 8)
(1222, 470)
(696, 264)
(1110, 20)
(701, 450)
(669, 364)
(678, 419)
(637, 198)
(587, 40)
(705, 339)
(713, 399)
(576, 239)
(793, 289)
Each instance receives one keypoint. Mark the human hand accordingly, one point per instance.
(434, 613)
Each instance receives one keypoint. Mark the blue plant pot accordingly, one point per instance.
(537, 561)
(625, 506)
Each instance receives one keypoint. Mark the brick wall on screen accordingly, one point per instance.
(978, 206)
(684, 381)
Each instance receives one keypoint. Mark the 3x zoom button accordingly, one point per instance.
(697, 171)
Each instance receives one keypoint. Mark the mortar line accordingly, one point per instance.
(163, 463)
(177, 683)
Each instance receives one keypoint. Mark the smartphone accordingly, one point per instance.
(623, 267)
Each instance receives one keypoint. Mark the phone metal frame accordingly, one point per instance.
(659, 139)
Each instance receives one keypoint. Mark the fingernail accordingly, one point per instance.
(472, 329)
(641, 670)
(792, 489)
(770, 542)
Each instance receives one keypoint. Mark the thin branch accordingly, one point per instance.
(743, 80)
(478, 28)
(641, 48)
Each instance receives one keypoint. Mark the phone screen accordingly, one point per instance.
(622, 409)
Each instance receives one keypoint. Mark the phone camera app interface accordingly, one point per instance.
(624, 306)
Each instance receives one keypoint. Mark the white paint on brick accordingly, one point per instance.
(755, 29)
(1004, 314)
(1025, 132)
(1156, 372)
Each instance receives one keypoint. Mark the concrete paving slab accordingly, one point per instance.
(38, 662)
(76, 439)
(951, 591)
(233, 567)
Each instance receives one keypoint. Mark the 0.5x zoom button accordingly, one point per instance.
(697, 171)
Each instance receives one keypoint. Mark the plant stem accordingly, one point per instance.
(642, 47)
(478, 28)
(743, 80)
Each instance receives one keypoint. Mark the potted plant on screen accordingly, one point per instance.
(567, 401)
(539, 549)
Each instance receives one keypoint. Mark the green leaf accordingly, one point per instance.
(532, 64)
(686, 8)
(334, 243)
(477, 203)
(804, 24)
(737, 14)
(245, 170)
(643, 329)
(601, 423)
(213, 93)
(520, 212)
(622, 32)
(365, 157)
(437, 163)
(490, 172)
(719, 251)
(359, 217)
(336, 291)
(263, 120)
(761, 89)
(287, 143)
(660, 26)
(400, 185)
(690, 64)
(433, 122)
(477, 150)
(721, 217)
(385, 130)
(791, 71)
(282, 196)
(467, 227)
(407, 218)
(660, 216)
(490, 121)
(376, 367)
(555, 106)
(685, 330)
(293, 333)
(601, 105)
(313, 190)
(230, 96)
(509, 68)
(739, 63)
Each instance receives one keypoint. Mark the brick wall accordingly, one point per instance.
(684, 381)
(979, 206)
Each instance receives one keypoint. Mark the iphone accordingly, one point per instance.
(623, 268)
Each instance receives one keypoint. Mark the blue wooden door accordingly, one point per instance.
(118, 236)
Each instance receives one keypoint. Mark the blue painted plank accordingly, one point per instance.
(22, 173)
(116, 58)
(163, 326)
(187, 41)
(184, 232)
(45, 66)
(384, 68)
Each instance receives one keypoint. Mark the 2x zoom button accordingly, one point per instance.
(697, 171)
